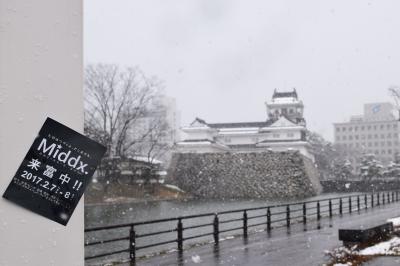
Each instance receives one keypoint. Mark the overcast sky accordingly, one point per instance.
(222, 60)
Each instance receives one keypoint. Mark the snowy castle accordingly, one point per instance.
(283, 130)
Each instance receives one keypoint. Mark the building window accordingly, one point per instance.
(350, 137)
(355, 128)
(338, 138)
(343, 129)
(344, 137)
(338, 129)
(388, 126)
(227, 140)
(275, 135)
(389, 143)
(369, 127)
(389, 135)
(375, 127)
(290, 135)
(395, 126)
(356, 137)
(362, 136)
(362, 127)
(382, 126)
(389, 151)
(376, 136)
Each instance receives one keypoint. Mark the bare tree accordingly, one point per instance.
(395, 93)
(115, 100)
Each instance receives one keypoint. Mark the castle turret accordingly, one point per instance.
(286, 104)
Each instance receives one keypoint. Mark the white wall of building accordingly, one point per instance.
(40, 76)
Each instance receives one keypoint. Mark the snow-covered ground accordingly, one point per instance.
(395, 221)
(390, 247)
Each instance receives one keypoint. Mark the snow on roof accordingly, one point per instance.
(146, 159)
(239, 124)
(174, 187)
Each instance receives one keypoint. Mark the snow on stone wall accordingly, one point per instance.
(245, 175)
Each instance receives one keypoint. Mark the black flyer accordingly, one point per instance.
(55, 172)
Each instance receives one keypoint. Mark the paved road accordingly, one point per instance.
(298, 246)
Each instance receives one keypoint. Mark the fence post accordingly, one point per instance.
(392, 196)
(245, 224)
(378, 200)
(179, 230)
(388, 197)
(366, 201)
(383, 198)
(372, 200)
(318, 211)
(216, 229)
(304, 213)
(358, 203)
(268, 219)
(330, 208)
(287, 216)
(340, 206)
(350, 204)
(132, 244)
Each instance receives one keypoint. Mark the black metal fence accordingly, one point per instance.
(128, 239)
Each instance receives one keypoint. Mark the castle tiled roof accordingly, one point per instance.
(241, 124)
(285, 94)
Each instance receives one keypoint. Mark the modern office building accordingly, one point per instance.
(376, 131)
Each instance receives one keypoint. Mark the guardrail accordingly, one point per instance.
(174, 232)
